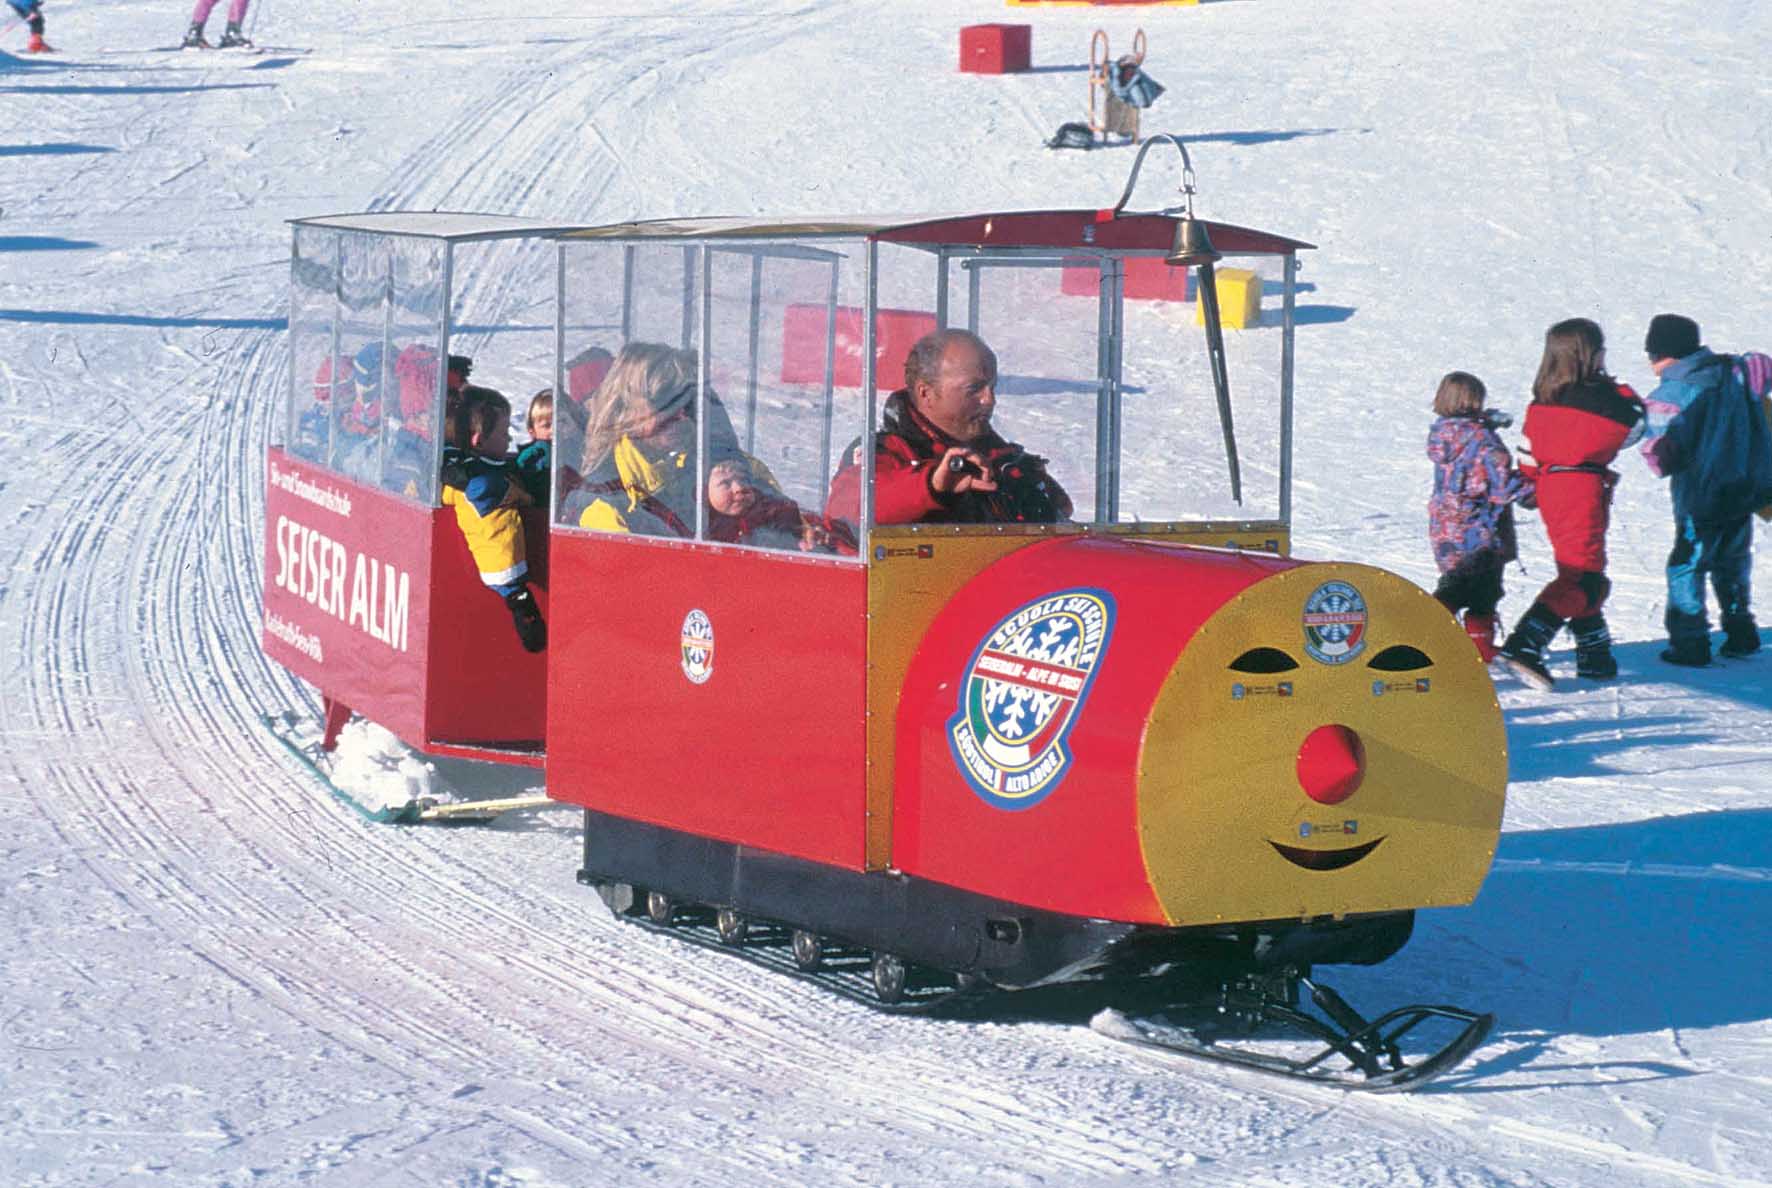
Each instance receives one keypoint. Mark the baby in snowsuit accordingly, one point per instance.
(1470, 515)
(743, 511)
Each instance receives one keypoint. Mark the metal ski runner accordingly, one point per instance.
(1355, 1053)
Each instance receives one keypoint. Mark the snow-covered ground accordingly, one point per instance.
(214, 974)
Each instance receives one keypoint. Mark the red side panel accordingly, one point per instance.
(719, 691)
(1070, 844)
(484, 687)
(347, 591)
(375, 601)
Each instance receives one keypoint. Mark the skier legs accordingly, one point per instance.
(232, 36)
(194, 38)
(32, 14)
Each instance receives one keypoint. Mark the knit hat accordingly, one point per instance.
(1671, 337)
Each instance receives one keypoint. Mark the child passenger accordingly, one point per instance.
(533, 460)
(480, 483)
(741, 512)
(1470, 515)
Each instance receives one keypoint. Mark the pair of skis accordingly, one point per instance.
(297, 737)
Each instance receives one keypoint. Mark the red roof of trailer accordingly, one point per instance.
(1027, 228)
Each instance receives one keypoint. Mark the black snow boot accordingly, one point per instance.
(1743, 636)
(1688, 653)
(1593, 648)
(194, 38)
(1524, 650)
(232, 38)
(527, 618)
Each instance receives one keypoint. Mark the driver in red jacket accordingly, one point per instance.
(1579, 418)
(937, 459)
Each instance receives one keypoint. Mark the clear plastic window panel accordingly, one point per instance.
(1174, 463)
(592, 285)
(314, 377)
(502, 316)
(412, 416)
(362, 339)
(1046, 335)
(785, 388)
(782, 400)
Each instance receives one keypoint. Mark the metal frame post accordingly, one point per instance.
(1290, 272)
(701, 373)
(868, 382)
(756, 328)
(830, 379)
(560, 393)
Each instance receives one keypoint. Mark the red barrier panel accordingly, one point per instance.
(995, 49)
(805, 333)
(1148, 278)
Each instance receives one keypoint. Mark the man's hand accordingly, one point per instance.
(961, 470)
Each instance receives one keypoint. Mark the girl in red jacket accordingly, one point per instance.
(1578, 420)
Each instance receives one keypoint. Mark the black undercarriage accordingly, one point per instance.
(907, 944)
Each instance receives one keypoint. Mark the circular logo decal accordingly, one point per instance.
(1022, 692)
(698, 647)
(1334, 623)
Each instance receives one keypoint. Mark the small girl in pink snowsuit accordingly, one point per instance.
(231, 36)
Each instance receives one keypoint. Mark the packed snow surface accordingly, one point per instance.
(215, 974)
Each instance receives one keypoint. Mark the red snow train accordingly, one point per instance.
(1142, 749)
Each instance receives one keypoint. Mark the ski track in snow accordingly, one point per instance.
(339, 1001)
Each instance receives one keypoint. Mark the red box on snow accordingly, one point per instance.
(804, 335)
(995, 49)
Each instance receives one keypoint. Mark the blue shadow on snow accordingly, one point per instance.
(48, 89)
(1600, 930)
(62, 317)
(47, 150)
(42, 243)
(1639, 927)
(1545, 742)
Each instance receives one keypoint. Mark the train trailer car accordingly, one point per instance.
(1106, 739)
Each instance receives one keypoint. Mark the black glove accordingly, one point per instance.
(527, 618)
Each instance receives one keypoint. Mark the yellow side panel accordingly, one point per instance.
(913, 570)
(1227, 830)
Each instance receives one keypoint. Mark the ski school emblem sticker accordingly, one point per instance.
(1023, 691)
(1334, 622)
(698, 647)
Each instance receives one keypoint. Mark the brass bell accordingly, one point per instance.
(1192, 245)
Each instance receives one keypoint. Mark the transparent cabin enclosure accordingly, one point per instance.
(1104, 371)
(1114, 390)
(373, 316)
(765, 332)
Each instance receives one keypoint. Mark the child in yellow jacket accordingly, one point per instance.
(480, 483)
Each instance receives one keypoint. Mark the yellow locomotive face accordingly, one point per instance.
(1327, 743)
